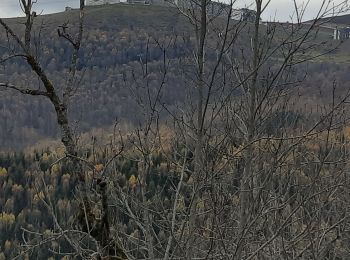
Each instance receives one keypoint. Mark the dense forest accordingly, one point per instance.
(29, 182)
(25, 180)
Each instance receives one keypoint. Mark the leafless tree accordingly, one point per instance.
(60, 97)
(247, 141)
(242, 151)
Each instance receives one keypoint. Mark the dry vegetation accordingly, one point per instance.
(184, 136)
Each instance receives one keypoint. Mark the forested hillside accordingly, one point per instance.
(169, 133)
(115, 43)
(118, 41)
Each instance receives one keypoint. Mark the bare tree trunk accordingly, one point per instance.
(201, 32)
(60, 104)
(145, 210)
(249, 182)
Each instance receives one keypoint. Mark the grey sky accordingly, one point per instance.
(281, 10)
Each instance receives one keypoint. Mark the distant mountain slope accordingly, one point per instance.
(118, 42)
(115, 41)
(341, 20)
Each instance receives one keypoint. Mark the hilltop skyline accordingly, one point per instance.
(279, 10)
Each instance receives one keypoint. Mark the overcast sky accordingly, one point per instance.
(281, 10)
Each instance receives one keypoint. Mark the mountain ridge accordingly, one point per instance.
(117, 40)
